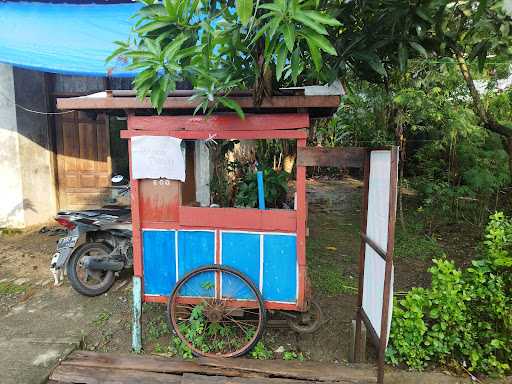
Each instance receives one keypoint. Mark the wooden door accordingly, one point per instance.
(83, 160)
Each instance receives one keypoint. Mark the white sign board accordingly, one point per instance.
(377, 230)
(155, 157)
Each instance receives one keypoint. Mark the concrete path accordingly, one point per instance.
(36, 334)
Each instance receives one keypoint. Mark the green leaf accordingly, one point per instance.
(172, 48)
(271, 7)
(150, 27)
(302, 18)
(115, 54)
(322, 43)
(322, 19)
(316, 56)
(295, 66)
(152, 46)
(281, 60)
(373, 61)
(289, 36)
(152, 11)
(244, 10)
(421, 13)
(171, 9)
(231, 104)
(418, 47)
(481, 9)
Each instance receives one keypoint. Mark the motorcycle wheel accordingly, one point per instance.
(85, 281)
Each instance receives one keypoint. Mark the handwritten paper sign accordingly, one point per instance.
(155, 157)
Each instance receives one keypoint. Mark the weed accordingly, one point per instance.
(10, 231)
(102, 318)
(8, 288)
(261, 352)
(291, 355)
(179, 348)
(156, 328)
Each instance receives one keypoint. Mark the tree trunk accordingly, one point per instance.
(487, 121)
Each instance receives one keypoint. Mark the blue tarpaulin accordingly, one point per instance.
(71, 39)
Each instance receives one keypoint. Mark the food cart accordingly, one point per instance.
(223, 266)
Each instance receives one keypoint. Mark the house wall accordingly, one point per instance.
(27, 186)
(35, 149)
(11, 201)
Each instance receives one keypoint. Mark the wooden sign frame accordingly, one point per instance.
(360, 158)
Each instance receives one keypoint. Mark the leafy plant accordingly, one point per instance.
(261, 352)
(465, 317)
(275, 188)
(219, 48)
(291, 355)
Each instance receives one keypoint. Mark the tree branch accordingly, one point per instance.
(488, 121)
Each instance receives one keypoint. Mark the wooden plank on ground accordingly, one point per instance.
(331, 157)
(192, 378)
(147, 364)
(94, 375)
(299, 370)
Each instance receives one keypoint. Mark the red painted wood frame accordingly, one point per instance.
(226, 126)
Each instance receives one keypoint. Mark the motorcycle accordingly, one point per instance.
(92, 266)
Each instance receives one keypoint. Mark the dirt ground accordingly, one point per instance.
(332, 252)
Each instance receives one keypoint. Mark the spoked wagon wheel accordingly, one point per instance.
(217, 311)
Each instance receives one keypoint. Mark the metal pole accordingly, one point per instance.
(261, 190)
(136, 314)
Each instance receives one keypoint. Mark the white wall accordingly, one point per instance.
(27, 180)
(11, 193)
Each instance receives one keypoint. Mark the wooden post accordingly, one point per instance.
(136, 315)
(301, 226)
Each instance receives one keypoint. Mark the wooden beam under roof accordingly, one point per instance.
(110, 101)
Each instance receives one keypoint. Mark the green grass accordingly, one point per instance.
(8, 288)
(329, 280)
(332, 250)
(411, 245)
(10, 231)
(411, 242)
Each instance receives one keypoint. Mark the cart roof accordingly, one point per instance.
(292, 100)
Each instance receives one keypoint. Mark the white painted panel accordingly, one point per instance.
(377, 230)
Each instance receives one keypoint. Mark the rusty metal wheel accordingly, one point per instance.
(217, 311)
(307, 322)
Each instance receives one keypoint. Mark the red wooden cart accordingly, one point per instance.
(229, 264)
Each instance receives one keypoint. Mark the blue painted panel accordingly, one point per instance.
(242, 252)
(159, 261)
(196, 249)
(279, 268)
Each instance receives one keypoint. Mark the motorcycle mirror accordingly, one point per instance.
(117, 178)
